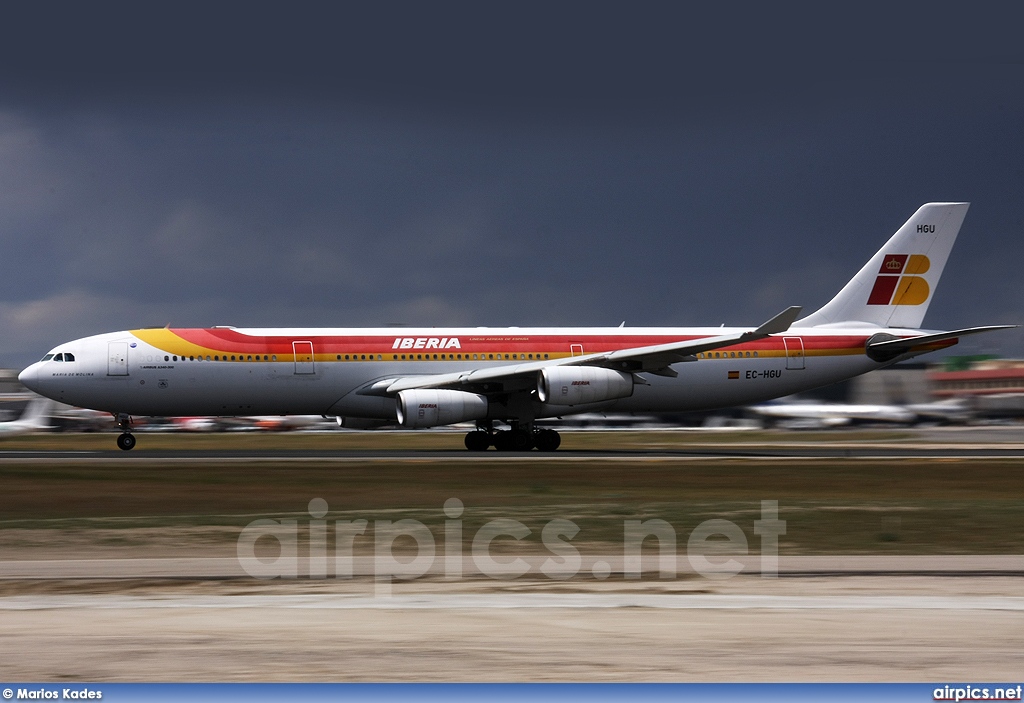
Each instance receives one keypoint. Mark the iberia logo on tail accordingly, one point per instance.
(896, 286)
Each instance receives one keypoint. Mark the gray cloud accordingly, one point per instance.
(619, 182)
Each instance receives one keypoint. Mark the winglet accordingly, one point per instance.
(781, 322)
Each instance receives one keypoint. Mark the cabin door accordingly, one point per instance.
(117, 358)
(794, 352)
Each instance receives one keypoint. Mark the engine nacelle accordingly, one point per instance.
(577, 385)
(430, 408)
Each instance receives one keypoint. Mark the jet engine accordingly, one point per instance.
(430, 408)
(577, 385)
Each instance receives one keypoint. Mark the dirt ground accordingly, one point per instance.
(745, 629)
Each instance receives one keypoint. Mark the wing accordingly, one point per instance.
(655, 359)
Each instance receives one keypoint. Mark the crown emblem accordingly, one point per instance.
(893, 264)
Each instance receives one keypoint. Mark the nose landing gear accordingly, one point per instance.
(126, 440)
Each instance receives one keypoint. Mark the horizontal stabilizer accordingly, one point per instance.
(888, 349)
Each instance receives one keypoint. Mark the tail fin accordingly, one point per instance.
(36, 414)
(896, 286)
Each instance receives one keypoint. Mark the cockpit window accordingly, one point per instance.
(47, 357)
(59, 357)
(68, 356)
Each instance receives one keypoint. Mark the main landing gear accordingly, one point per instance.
(126, 440)
(514, 440)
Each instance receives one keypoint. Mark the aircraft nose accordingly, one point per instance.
(30, 377)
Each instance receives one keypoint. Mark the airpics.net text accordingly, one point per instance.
(407, 549)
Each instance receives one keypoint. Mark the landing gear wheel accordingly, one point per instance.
(547, 440)
(478, 441)
(503, 441)
(521, 440)
(126, 441)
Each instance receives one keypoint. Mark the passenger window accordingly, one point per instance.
(274, 357)
(167, 358)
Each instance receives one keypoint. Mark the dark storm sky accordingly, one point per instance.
(495, 164)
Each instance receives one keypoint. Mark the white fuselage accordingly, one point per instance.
(224, 371)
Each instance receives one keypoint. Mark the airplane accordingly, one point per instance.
(516, 376)
(811, 414)
(800, 415)
(33, 419)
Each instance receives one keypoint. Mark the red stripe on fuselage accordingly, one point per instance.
(231, 341)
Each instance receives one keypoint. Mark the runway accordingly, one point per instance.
(526, 601)
(605, 566)
(578, 446)
(731, 451)
(900, 560)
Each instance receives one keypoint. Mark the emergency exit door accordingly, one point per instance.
(303, 357)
